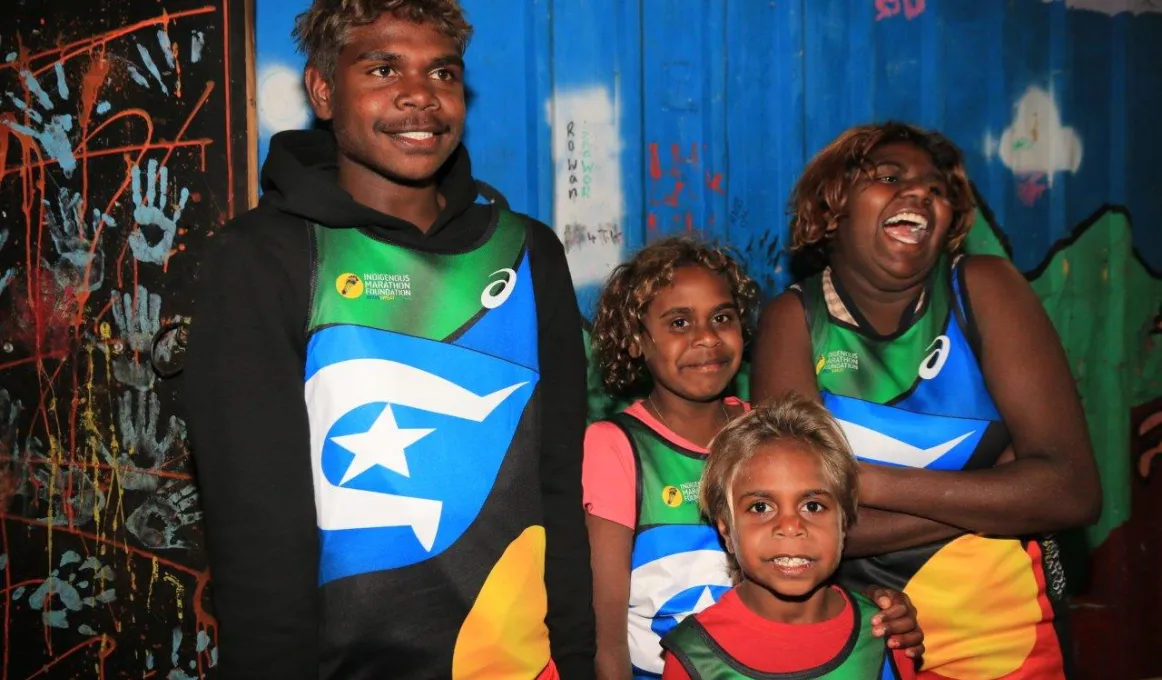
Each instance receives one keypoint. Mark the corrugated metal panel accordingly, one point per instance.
(697, 115)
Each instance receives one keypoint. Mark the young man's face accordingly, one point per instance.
(785, 529)
(397, 100)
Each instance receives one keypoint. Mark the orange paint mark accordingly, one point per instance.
(112, 151)
(229, 113)
(714, 183)
(655, 163)
(652, 222)
(91, 84)
(107, 643)
(672, 199)
(119, 545)
(70, 50)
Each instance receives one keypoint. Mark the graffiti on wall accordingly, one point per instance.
(588, 210)
(118, 138)
(1036, 146)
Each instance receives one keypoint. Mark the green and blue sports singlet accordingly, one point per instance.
(678, 565)
(863, 657)
(918, 398)
(419, 372)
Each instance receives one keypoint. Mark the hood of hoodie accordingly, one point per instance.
(300, 178)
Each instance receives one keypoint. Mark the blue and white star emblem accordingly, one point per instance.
(407, 438)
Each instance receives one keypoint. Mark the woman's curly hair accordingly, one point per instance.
(323, 31)
(819, 199)
(633, 286)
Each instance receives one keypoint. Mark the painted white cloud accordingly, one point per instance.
(282, 100)
(1036, 141)
(1113, 7)
(588, 207)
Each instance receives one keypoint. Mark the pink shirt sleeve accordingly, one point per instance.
(609, 476)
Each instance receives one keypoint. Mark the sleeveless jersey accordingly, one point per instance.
(863, 657)
(420, 377)
(678, 564)
(918, 398)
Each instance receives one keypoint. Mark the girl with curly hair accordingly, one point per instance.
(671, 324)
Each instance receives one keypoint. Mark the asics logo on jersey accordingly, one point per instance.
(931, 365)
(497, 291)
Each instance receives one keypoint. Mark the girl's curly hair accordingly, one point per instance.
(322, 31)
(633, 286)
(819, 199)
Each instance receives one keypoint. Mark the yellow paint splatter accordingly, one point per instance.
(104, 330)
(152, 580)
(179, 591)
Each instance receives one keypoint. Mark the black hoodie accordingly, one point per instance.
(250, 434)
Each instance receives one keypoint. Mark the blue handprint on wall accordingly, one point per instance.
(138, 428)
(52, 135)
(82, 266)
(157, 521)
(137, 324)
(150, 211)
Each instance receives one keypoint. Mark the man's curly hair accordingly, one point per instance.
(633, 286)
(323, 31)
(819, 200)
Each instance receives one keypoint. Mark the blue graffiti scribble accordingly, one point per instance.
(166, 47)
(53, 136)
(197, 42)
(62, 86)
(137, 77)
(60, 594)
(177, 641)
(148, 660)
(6, 276)
(34, 87)
(103, 107)
(85, 629)
(11, 57)
(150, 212)
(82, 266)
(151, 67)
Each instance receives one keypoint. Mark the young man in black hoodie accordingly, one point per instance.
(386, 388)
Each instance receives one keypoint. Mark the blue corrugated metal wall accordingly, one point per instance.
(616, 120)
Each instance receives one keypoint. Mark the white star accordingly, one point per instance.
(704, 600)
(383, 444)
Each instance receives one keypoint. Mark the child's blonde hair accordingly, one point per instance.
(794, 418)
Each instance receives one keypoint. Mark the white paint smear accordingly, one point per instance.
(282, 100)
(1036, 141)
(1112, 7)
(588, 207)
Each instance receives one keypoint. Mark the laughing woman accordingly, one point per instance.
(953, 389)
